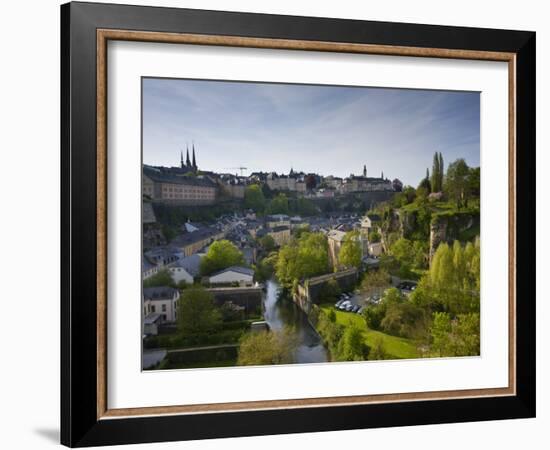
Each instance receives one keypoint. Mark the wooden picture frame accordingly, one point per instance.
(86, 418)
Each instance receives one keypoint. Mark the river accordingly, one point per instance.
(280, 312)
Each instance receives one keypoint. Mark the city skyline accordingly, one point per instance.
(329, 130)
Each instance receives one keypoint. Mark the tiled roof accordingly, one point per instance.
(190, 263)
(186, 239)
(238, 269)
(159, 293)
(176, 176)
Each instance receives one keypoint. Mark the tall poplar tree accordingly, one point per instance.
(441, 171)
(435, 174)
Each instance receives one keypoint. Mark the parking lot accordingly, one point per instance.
(355, 303)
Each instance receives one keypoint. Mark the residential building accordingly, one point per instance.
(186, 268)
(335, 238)
(376, 248)
(370, 222)
(148, 269)
(234, 274)
(365, 184)
(277, 220)
(280, 234)
(161, 300)
(191, 243)
(179, 185)
(161, 256)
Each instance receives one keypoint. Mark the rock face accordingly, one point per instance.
(438, 234)
(448, 227)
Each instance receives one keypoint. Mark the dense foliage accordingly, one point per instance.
(221, 254)
(254, 198)
(197, 313)
(350, 253)
(304, 257)
(268, 347)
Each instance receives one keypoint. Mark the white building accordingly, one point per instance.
(186, 268)
(375, 249)
(161, 300)
(148, 269)
(234, 274)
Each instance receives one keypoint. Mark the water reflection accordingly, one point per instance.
(280, 311)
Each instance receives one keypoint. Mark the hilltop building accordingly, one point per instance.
(180, 185)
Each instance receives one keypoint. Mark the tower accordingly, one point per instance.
(187, 161)
(194, 160)
(181, 159)
(365, 170)
(382, 175)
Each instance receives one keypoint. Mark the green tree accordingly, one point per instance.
(254, 198)
(279, 205)
(392, 296)
(438, 171)
(440, 330)
(453, 280)
(221, 254)
(375, 282)
(474, 182)
(267, 347)
(197, 313)
(374, 315)
(302, 258)
(435, 174)
(456, 182)
(265, 268)
(268, 243)
(378, 351)
(161, 278)
(455, 337)
(426, 184)
(404, 319)
(351, 347)
(410, 194)
(422, 194)
(304, 207)
(350, 253)
(404, 252)
(374, 236)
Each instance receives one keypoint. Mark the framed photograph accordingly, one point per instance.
(276, 224)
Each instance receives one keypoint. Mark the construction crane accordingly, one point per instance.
(238, 168)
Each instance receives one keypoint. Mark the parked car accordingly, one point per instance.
(350, 307)
(355, 308)
(360, 310)
(375, 299)
(338, 303)
(344, 304)
(407, 286)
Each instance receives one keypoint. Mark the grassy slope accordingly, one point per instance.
(398, 347)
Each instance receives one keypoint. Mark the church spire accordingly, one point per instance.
(194, 160)
(365, 170)
(181, 159)
(187, 161)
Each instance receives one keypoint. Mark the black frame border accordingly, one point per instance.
(79, 423)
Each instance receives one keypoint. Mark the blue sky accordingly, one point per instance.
(323, 129)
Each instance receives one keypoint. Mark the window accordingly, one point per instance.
(163, 307)
(152, 308)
